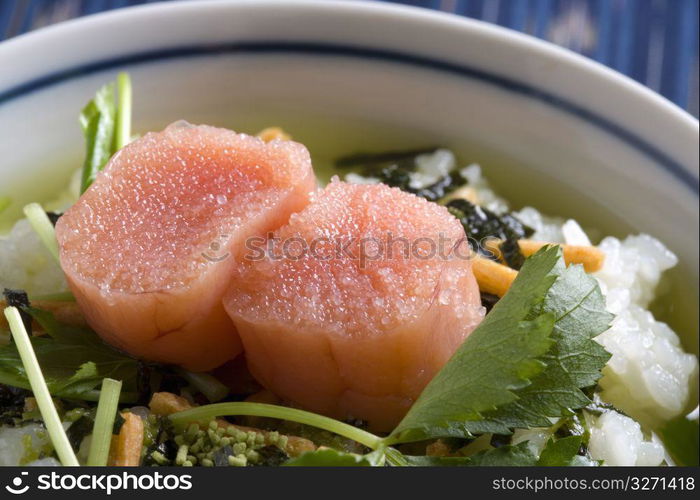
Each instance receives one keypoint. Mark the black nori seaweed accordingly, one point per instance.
(11, 404)
(53, 217)
(143, 382)
(368, 159)
(118, 422)
(152, 377)
(442, 187)
(271, 456)
(488, 300)
(481, 224)
(510, 250)
(163, 443)
(79, 429)
(498, 440)
(394, 175)
(393, 168)
(221, 456)
(20, 300)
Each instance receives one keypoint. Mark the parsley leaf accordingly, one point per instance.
(526, 363)
(574, 361)
(328, 457)
(519, 455)
(563, 452)
(500, 356)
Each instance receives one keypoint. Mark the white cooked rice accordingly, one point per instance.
(644, 350)
(26, 264)
(649, 376)
(13, 444)
(431, 168)
(619, 440)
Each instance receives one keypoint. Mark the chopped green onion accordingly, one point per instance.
(208, 385)
(58, 436)
(124, 397)
(106, 124)
(122, 134)
(97, 120)
(104, 422)
(42, 226)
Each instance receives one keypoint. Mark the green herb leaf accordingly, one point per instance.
(500, 357)
(519, 455)
(501, 378)
(73, 359)
(82, 380)
(106, 124)
(328, 457)
(427, 461)
(97, 121)
(680, 438)
(563, 452)
(573, 362)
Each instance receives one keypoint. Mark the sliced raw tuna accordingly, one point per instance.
(339, 318)
(149, 248)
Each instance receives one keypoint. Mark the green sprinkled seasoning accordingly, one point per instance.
(213, 445)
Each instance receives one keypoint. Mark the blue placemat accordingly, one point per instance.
(653, 41)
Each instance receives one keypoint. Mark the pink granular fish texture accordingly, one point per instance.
(335, 322)
(149, 248)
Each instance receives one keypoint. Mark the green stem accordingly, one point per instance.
(209, 412)
(394, 457)
(122, 134)
(58, 436)
(42, 226)
(207, 384)
(104, 422)
(124, 397)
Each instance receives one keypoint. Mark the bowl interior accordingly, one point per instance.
(533, 150)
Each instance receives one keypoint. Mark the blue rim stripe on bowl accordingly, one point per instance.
(324, 49)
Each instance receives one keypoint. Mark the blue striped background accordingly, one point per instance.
(653, 41)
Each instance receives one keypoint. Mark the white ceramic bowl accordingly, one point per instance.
(552, 129)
